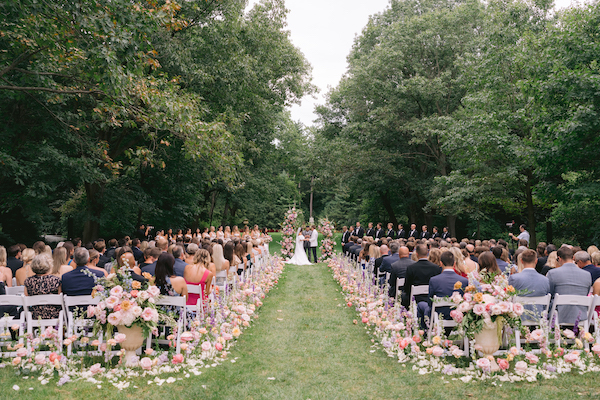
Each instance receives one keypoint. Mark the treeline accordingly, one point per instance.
(469, 114)
(159, 112)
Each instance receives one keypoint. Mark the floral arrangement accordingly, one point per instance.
(486, 303)
(205, 343)
(288, 228)
(396, 331)
(326, 228)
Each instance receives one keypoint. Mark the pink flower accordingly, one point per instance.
(96, 368)
(596, 349)
(22, 352)
(537, 334)
(117, 291)
(146, 363)
(403, 343)
(114, 318)
(187, 337)
(456, 316)
(206, 346)
(16, 361)
(479, 309)
(53, 357)
(153, 291)
(484, 364)
(502, 363)
(91, 311)
(150, 314)
(518, 308)
(572, 357)
(102, 347)
(112, 301)
(40, 359)
(177, 358)
(219, 346)
(438, 351)
(521, 367)
(569, 334)
(120, 337)
(532, 358)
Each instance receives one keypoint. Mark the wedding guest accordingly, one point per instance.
(92, 263)
(530, 281)
(5, 272)
(401, 234)
(78, 282)
(542, 256)
(43, 282)
(398, 269)
(567, 278)
(25, 271)
(596, 258)
(418, 274)
(583, 261)
(221, 264)
(370, 230)
(190, 251)
(351, 242)
(14, 258)
(180, 264)
(385, 252)
(497, 252)
(240, 253)
(488, 264)
(229, 255)
(60, 262)
(112, 248)
(413, 233)
(461, 267)
(363, 256)
(151, 255)
(135, 248)
(166, 280)
(199, 273)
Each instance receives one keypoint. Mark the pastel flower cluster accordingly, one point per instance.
(326, 228)
(546, 352)
(288, 227)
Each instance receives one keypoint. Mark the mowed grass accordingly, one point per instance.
(304, 338)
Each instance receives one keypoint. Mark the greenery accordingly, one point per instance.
(306, 340)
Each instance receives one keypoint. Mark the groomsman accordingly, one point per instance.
(435, 233)
(424, 233)
(445, 233)
(413, 231)
(359, 231)
(390, 231)
(345, 235)
(370, 230)
(401, 234)
(379, 234)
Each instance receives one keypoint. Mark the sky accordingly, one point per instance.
(324, 30)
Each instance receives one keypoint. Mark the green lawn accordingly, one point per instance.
(304, 338)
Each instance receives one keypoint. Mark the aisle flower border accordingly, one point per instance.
(396, 331)
(288, 230)
(326, 228)
(205, 344)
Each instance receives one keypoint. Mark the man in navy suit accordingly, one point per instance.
(386, 264)
(179, 266)
(443, 285)
(583, 261)
(530, 281)
(497, 252)
(135, 248)
(79, 282)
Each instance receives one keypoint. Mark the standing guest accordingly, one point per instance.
(436, 233)
(583, 261)
(25, 271)
(401, 234)
(390, 231)
(180, 264)
(399, 268)
(418, 274)
(413, 233)
(166, 280)
(359, 231)
(370, 231)
(530, 281)
(5, 272)
(524, 235)
(345, 235)
(198, 273)
(60, 262)
(78, 282)
(445, 233)
(43, 282)
(14, 258)
(92, 263)
(567, 278)
(424, 233)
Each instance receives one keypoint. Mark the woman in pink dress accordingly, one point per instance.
(199, 274)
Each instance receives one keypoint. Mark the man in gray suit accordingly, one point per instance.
(530, 280)
(567, 278)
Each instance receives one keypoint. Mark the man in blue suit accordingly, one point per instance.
(443, 285)
(179, 266)
(79, 282)
(529, 280)
(386, 264)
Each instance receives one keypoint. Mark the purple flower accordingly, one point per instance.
(64, 379)
(550, 368)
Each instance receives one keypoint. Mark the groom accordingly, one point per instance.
(314, 242)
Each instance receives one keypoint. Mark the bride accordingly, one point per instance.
(300, 257)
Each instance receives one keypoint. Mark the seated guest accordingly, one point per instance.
(100, 247)
(190, 251)
(60, 262)
(497, 252)
(551, 262)
(78, 282)
(25, 271)
(386, 263)
(399, 268)
(135, 248)
(5, 272)
(355, 249)
(529, 280)
(567, 278)
(151, 255)
(384, 253)
(166, 280)
(14, 258)
(43, 282)
(418, 274)
(351, 242)
(93, 262)
(542, 256)
(180, 264)
(198, 273)
(583, 261)
(487, 263)
(443, 285)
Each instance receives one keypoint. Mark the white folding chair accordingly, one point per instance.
(444, 323)
(594, 318)
(221, 279)
(14, 281)
(571, 300)
(535, 320)
(45, 300)
(198, 308)
(400, 285)
(15, 290)
(176, 301)
(6, 322)
(79, 323)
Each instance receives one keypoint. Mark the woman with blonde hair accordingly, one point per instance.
(199, 273)
(227, 233)
(469, 264)
(374, 253)
(25, 271)
(434, 256)
(236, 232)
(5, 272)
(221, 264)
(212, 235)
(60, 259)
(551, 263)
(93, 261)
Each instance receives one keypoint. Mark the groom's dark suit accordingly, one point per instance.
(360, 232)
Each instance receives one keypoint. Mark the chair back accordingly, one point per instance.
(11, 300)
(419, 290)
(72, 301)
(43, 300)
(15, 290)
(571, 300)
(194, 289)
(399, 285)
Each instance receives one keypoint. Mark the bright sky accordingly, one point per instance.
(324, 30)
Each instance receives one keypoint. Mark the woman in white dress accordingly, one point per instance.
(299, 257)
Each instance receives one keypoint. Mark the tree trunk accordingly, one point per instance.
(225, 211)
(530, 210)
(451, 223)
(388, 207)
(91, 228)
(213, 202)
(312, 178)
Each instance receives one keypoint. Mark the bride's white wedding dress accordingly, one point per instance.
(299, 257)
